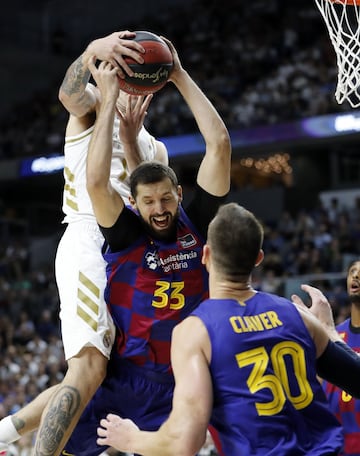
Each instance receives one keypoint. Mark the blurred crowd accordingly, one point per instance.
(261, 63)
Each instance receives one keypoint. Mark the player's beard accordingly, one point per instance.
(355, 299)
(168, 234)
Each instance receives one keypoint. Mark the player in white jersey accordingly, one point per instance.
(86, 325)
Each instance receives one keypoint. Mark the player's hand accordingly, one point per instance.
(117, 432)
(177, 67)
(319, 306)
(132, 117)
(105, 76)
(113, 48)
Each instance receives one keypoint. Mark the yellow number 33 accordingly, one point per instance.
(169, 292)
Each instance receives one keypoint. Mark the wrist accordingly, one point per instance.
(129, 142)
(178, 75)
(108, 103)
(90, 52)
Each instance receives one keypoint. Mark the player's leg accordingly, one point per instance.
(26, 419)
(87, 333)
(85, 373)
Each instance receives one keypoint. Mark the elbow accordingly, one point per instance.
(223, 144)
(186, 444)
(63, 97)
(226, 143)
(65, 100)
(73, 104)
(182, 447)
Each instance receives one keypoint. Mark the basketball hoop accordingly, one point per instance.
(342, 19)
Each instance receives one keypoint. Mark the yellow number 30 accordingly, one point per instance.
(177, 299)
(277, 383)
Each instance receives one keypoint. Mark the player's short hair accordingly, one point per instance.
(235, 237)
(351, 264)
(149, 173)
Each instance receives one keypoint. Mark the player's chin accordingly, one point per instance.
(162, 233)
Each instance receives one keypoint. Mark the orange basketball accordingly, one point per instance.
(153, 74)
(346, 2)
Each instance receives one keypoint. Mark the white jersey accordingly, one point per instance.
(79, 265)
(76, 201)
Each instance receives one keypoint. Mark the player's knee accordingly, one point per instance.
(89, 365)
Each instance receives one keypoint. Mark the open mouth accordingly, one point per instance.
(161, 221)
(355, 287)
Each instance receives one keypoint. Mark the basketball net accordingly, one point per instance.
(342, 18)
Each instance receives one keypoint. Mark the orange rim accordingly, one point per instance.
(346, 2)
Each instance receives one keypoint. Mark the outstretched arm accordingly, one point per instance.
(214, 172)
(320, 308)
(336, 361)
(106, 202)
(75, 93)
(131, 122)
(184, 432)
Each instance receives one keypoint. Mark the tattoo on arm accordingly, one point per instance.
(18, 423)
(58, 419)
(76, 78)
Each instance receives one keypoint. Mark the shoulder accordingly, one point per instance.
(191, 329)
(161, 152)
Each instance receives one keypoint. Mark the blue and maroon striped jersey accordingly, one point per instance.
(345, 407)
(152, 286)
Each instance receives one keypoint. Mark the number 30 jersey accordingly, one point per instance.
(152, 286)
(267, 399)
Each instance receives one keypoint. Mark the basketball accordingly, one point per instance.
(153, 74)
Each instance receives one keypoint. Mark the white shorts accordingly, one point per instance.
(81, 279)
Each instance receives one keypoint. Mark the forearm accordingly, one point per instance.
(100, 149)
(76, 78)
(132, 154)
(340, 365)
(74, 93)
(164, 442)
(210, 124)
(153, 444)
(214, 171)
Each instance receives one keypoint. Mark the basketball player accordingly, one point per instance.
(155, 274)
(87, 329)
(246, 362)
(346, 407)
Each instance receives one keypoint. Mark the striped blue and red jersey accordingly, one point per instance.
(153, 285)
(345, 407)
(267, 398)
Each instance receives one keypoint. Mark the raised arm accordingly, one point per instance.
(184, 432)
(131, 122)
(80, 97)
(336, 361)
(320, 308)
(106, 202)
(214, 172)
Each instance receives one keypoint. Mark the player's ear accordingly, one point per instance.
(180, 193)
(132, 202)
(259, 258)
(205, 255)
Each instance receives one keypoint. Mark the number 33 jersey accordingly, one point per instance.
(152, 286)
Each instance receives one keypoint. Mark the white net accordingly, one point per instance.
(342, 18)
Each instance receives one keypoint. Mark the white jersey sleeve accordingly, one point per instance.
(76, 201)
